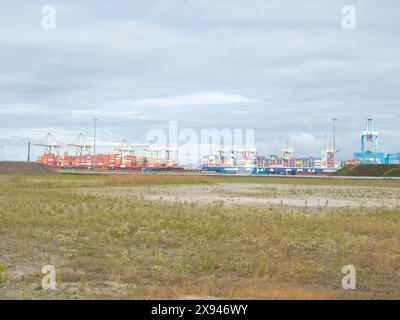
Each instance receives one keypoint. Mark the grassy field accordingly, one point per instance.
(106, 246)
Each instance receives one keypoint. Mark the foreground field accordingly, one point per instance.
(150, 236)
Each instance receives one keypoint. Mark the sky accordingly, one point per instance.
(283, 68)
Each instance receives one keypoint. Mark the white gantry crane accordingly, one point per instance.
(82, 145)
(50, 144)
(125, 148)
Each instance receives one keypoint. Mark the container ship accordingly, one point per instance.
(238, 161)
(104, 162)
(158, 159)
(247, 161)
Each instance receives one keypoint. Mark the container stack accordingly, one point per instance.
(49, 159)
(211, 161)
(345, 163)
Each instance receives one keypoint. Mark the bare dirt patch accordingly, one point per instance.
(262, 195)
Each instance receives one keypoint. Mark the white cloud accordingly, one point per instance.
(291, 55)
(304, 141)
(196, 99)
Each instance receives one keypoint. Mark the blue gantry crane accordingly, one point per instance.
(392, 158)
(369, 153)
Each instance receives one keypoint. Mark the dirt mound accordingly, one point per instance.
(25, 168)
(370, 170)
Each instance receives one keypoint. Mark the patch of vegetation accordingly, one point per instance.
(369, 170)
(2, 273)
(155, 179)
(394, 172)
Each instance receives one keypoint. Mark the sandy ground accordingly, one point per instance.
(255, 194)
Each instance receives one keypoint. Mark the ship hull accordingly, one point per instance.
(269, 170)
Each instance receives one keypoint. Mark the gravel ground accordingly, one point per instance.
(263, 195)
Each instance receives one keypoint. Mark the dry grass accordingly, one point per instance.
(154, 179)
(105, 247)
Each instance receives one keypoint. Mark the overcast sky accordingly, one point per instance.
(283, 68)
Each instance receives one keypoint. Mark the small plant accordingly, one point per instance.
(2, 273)
(119, 230)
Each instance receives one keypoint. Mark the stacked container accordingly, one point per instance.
(49, 159)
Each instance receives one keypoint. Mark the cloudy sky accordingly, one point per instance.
(283, 68)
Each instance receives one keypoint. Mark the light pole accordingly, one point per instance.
(334, 139)
(94, 136)
(325, 154)
(2, 154)
(29, 151)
